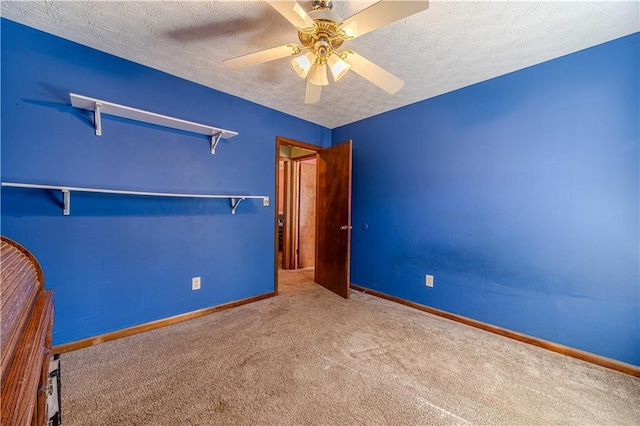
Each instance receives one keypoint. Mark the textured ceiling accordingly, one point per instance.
(451, 45)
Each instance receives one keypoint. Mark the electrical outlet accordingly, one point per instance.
(428, 280)
(195, 283)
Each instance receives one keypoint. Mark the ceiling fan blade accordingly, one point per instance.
(380, 14)
(294, 13)
(262, 56)
(378, 76)
(312, 94)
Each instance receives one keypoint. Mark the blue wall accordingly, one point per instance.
(119, 261)
(520, 194)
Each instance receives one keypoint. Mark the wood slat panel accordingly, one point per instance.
(19, 388)
(19, 285)
(26, 319)
(15, 265)
(15, 322)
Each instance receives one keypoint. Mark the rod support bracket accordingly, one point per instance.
(234, 204)
(215, 139)
(97, 119)
(66, 199)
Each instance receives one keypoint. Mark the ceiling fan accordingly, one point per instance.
(321, 33)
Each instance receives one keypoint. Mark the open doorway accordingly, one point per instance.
(313, 216)
(296, 202)
(297, 210)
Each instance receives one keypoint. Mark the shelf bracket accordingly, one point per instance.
(215, 138)
(234, 203)
(97, 119)
(66, 199)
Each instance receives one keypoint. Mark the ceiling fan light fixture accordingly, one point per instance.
(302, 64)
(318, 74)
(321, 33)
(338, 67)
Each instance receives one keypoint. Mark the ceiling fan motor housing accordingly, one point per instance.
(326, 36)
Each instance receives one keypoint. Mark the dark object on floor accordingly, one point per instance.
(54, 395)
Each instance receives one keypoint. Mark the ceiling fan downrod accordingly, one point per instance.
(324, 4)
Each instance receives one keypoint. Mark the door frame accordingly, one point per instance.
(280, 140)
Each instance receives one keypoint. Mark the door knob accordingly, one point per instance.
(345, 227)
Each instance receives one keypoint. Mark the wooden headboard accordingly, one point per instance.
(26, 319)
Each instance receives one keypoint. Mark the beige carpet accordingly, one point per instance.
(309, 357)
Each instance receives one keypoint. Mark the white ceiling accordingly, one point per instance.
(451, 45)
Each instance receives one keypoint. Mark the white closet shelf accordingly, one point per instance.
(66, 194)
(103, 107)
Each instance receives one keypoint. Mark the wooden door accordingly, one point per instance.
(333, 218)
